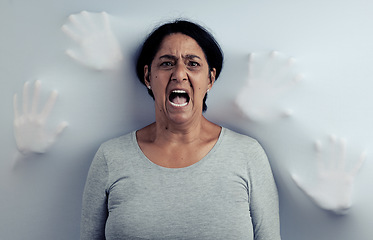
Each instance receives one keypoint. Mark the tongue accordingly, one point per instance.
(179, 100)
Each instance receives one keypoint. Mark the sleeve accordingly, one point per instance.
(264, 203)
(94, 205)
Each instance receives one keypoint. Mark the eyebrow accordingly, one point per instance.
(188, 56)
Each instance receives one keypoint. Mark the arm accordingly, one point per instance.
(94, 210)
(264, 204)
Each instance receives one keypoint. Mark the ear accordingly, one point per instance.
(147, 76)
(212, 77)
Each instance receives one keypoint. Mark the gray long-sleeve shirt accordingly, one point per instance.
(230, 194)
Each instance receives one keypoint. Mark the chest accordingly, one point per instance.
(177, 156)
(200, 205)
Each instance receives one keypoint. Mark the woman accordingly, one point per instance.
(182, 177)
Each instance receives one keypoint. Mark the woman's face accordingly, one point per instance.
(179, 78)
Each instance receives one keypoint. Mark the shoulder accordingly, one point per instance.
(243, 147)
(117, 148)
(117, 154)
(239, 140)
(118, 142)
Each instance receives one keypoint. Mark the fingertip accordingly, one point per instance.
(61, 127)
(287, 113)
(293, 176)
(37, 84)
(71, 54)
(274, 54)
(332, 138)
(343, 142)
(298, 77)
(251, 56)
(296, 179)
(72, 18)
(64, 28)
(363, 155)
(317, 145)
(292, 61)
(54, 93)
(68, 52)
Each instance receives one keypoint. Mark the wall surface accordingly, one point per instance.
(309, 103)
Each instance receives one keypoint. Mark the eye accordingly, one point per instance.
(193, 64)
(166, 64)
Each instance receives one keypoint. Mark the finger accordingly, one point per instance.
(291, 61)
(15, 107)
(274, 54)
(342, 157)
(298, 78)
(333, 157)
(287, 113)
(359, 164)
(49, 106)
(320, 164)
(60, 128)
(88, 21)
(284, 73)
(250, 64)
(35, 100)
(74, 55)
(299, 182)
(77, 23)
(25, 98)
(106, 21)
(71, 34)
(269, 66)
(58, 131)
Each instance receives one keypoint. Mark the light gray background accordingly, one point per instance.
(40, 197)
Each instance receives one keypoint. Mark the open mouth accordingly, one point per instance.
(179, 98)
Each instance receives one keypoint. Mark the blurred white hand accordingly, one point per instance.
(332, 189)
(30, 126)
(271, 75)
(99, 48)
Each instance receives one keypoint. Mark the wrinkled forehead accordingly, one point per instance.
(180, 45)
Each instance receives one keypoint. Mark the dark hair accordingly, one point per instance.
(205, 40)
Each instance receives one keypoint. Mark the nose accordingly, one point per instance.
(179, 73)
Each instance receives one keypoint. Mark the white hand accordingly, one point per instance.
(271, 75)
(332, 189)
(99, 48)
(30, 127)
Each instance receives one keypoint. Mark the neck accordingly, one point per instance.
(184, 133)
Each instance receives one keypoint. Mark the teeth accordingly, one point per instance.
(179, 105)
(179, 91)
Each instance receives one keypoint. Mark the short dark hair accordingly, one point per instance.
(205, 40)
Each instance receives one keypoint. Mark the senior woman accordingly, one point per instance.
(181, 177)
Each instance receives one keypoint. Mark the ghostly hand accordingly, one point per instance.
(99, 48)
(270, 77)
(333, 186)
(30, 127)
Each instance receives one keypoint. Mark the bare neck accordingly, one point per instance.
(160, 133)
(184, 133)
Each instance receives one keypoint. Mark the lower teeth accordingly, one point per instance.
(179, 105)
